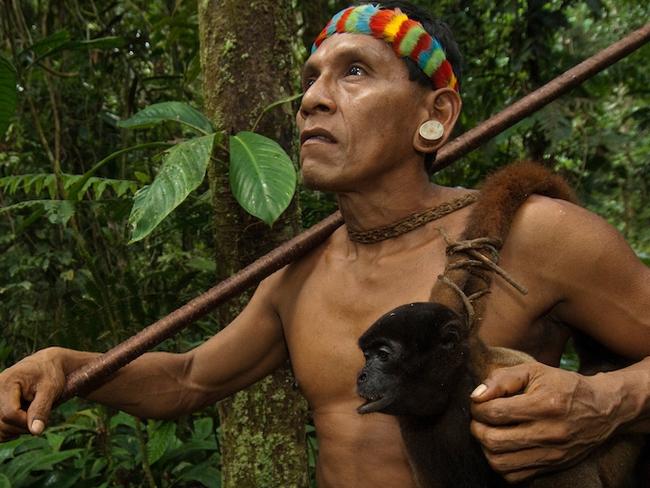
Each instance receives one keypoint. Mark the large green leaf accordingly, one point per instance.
(162, 436)
(183, 169)
(8, 94)
(168, 111)
(262, 176)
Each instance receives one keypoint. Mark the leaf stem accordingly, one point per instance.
(143, 452)
(273, 105)
(74, 190)
(194, 127)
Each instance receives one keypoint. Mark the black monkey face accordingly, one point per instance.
(413, 353)
(379, 380)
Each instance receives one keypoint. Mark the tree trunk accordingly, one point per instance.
(247, 62)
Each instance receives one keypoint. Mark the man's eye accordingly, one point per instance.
(355, 70)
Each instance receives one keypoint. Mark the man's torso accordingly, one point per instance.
(328, 300)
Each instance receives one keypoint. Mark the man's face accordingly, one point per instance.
(358, 115)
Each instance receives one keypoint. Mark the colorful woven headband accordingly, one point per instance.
(407, 37)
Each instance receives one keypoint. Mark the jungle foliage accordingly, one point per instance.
(74, 75)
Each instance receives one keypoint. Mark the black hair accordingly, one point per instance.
(442, 33)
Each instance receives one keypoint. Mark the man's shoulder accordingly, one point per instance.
(295, 273)
(558, 229)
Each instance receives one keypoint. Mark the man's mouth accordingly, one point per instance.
(316, 136)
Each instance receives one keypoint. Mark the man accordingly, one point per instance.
(360, 121)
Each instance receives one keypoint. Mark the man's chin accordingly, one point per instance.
(314, 181)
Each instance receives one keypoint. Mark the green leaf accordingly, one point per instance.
(8, 94)
(55, 440)
(168, 111)
(61, 479)
(262, 176)
(122, 418)
(202, 264)
(161, 438)
(23, 465)
(61, 212)
(7, 448)
(4, 481)
(204, 473)
(203, 428)
(183, 170)
(75, 185)
(58, 211)
(49, 44)
(189, 450)
(60, 41)
(74, 190)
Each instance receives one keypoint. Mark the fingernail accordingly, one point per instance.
(37, 426)
(480, 389)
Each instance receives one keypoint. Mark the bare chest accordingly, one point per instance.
(336, 302)
(338, 298)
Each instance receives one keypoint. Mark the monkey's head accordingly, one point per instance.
(413, 354)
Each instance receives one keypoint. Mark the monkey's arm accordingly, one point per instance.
(156, 385)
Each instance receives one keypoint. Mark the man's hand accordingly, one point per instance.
(27, 391)
(533, 418)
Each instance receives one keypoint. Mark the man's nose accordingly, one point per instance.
(317, 98)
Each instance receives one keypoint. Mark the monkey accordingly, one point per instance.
(422, 360)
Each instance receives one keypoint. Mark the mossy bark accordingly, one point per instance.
(247, 62)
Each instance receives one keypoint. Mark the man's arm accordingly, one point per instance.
(548, 416)
(158, 384)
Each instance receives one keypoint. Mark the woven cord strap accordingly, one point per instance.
(477, 254)
(411, 222)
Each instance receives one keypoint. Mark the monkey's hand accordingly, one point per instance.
(532, 418)
(27, 391)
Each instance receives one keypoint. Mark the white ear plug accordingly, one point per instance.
(431, 130)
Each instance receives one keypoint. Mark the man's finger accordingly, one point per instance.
(11, 412)
(517, 437)
(39, 410)
(499, 440)
(8, 431)
(519, 464)
(512, 410)
(522, 475)
(502, 382)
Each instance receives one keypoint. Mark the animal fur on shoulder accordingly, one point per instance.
(503, 193)
(424, 359)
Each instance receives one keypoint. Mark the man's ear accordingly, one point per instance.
(444, 107)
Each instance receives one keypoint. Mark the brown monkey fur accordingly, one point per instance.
(436, 432)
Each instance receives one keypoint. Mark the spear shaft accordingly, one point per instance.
(97, 371)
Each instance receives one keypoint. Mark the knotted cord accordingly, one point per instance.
(474, 256)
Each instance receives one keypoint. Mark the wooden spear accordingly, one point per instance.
(97, 371)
